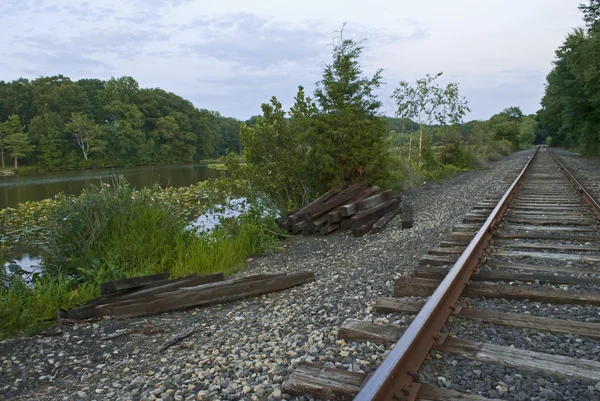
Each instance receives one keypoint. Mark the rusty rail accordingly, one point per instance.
(587, 197)
(396, 378)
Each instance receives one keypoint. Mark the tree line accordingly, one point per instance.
(339, 134)
(54, 123)
(570, 113)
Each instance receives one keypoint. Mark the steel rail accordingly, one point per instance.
(397, 378)
(587, 197)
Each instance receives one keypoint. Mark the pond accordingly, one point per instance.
(18, 189)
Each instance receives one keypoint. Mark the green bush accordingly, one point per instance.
(116, 232)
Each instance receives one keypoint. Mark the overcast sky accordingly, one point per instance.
(233, 55)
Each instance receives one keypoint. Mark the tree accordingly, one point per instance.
(86, 133)
(527, 131)
(428, 103)
(16, 142)
(349, 135)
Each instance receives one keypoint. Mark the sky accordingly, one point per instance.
(233, 55)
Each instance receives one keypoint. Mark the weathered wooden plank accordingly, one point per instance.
(206, 294)
(557, 247)
(549, 255)
(342, 385)
(525, 227)
(329, 228)
(341, 199)
(374, 213)
(517, 320)
(407, 215)
(346, 223)
(466, 228)
(300, 214)
(549, 237)
(323, 382)
(549, 221)
(299, 227)
(364, 229)
(355, 330)
(441, 251)
(169, 285)
(384, 221)
(451, 243)
(523, 359)
(130, 283)
(485, 275)
(432, 393)
(334, 216)
(543, 268)
(315, 225)
(365, 203)
(407, 285)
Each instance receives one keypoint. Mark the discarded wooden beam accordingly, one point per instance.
(407, 215)
(301, 214)
(374, 213)
(315, 225)
(406, 285)
(299, 227)
(517, 320)
(88, 310)
(206, 294)
(364, 229)
(334, 216)
(365, 203)
(348, 194)
(385, 220)
(130, 283)
(174, 284)
(346, 223)
(329, 228)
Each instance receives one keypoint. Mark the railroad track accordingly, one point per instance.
(515, 288)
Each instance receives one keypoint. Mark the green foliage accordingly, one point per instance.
(454, 151)
(294, 156)
(14, 140)
(94, 123)
(570, 112)
(28, 308)
(116, 232)
(428, 103)
(86, 133)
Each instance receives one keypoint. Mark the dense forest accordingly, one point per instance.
(54, 123)
(570, 114)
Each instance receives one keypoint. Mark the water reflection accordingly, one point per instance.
(18, 189)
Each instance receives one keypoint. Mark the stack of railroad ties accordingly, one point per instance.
(348, 206)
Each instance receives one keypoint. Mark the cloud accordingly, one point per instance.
(248, 39)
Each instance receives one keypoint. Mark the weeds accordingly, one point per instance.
(114, 232)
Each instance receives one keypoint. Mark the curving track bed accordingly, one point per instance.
(507, 307)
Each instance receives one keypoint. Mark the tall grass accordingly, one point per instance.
(114, 232)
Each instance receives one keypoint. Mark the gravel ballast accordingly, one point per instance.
(244, 350)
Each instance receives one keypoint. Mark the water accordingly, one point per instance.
(19, 189)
